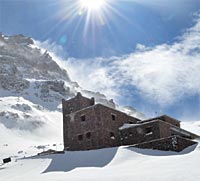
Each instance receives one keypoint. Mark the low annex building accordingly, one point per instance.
(87, 126)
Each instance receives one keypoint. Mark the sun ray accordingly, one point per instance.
(89, 19)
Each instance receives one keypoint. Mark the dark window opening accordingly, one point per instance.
(130, 134)
(126, 135)
(112, 135)
(130, 122)
(80, 137)
(113, 117)
(148, 130)
(83, 118)
(88, 135)
(175, 147)
(188, 137)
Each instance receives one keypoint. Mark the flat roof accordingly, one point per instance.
(160, 117)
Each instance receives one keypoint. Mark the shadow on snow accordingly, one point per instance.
(77, 159)
(97, 158)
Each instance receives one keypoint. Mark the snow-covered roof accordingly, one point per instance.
(127, 125)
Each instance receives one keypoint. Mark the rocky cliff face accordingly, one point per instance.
(27, 71)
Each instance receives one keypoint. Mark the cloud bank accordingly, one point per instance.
(163, 74)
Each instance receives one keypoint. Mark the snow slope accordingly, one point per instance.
(123, 163)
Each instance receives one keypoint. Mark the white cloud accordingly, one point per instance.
(56, 49)
(92, 75)
(166, 73)
(163, 74)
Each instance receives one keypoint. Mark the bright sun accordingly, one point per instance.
(92, 4)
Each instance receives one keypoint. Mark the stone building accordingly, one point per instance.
(87, 126)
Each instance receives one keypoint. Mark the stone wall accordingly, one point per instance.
(173, 143)
(170, 120)
(152, 130)
(167, 130)
(166, 119)
(164, 129)
(77, 103)
(94, 127)
(140, 133)
(111, 121)
(82, 130)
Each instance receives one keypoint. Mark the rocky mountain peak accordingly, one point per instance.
(29, 72)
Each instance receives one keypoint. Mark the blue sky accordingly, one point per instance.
(148, 22)
(143, 53)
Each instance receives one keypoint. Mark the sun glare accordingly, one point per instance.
(92, 4)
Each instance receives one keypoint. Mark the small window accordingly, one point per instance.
(126, 136)
(112, 135)
(148, 130)
(80, 137)
(130, 134)
(83, 118)
(88, 135)
(131, 122)
(113, 117)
